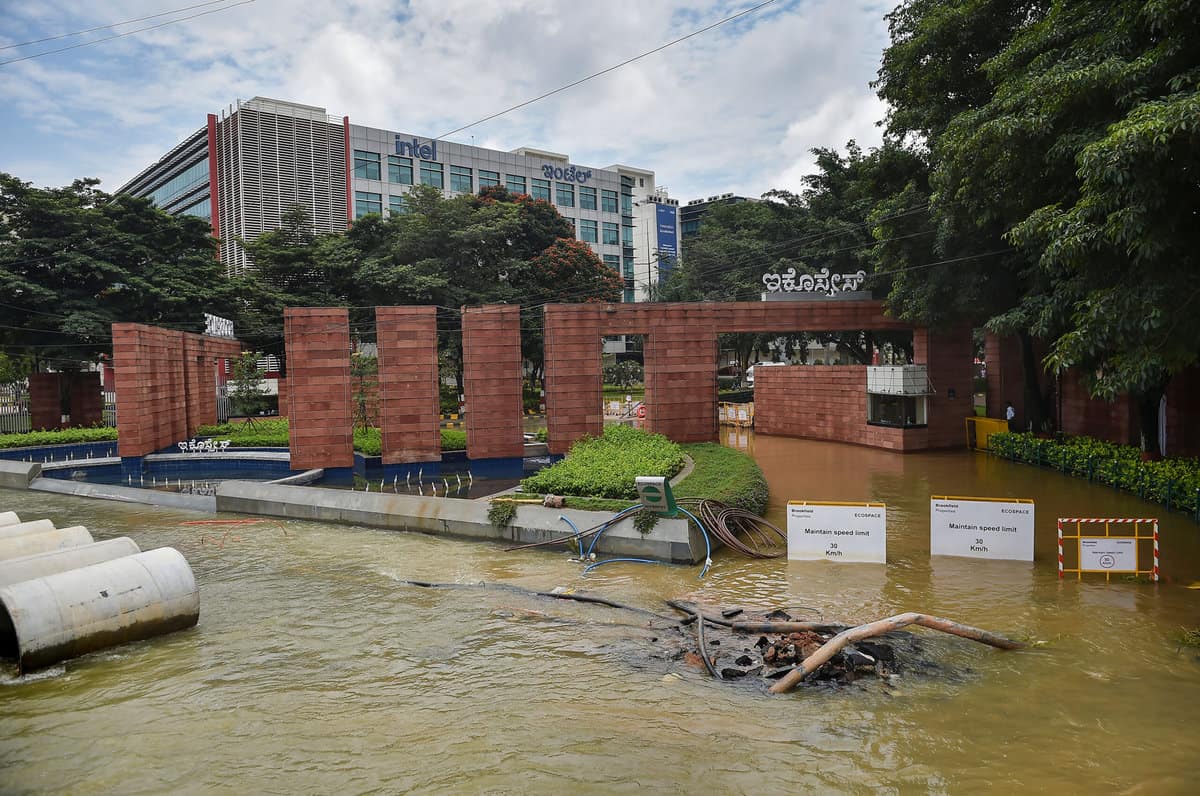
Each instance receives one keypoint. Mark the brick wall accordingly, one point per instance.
(45, 402)
(949, 356)
(408, 384)
(281, 387)
(681, 375)
(320, 433)
(165, 382)
(827, 402)
(87, 403)
(492, 377)
(1005, 377)
(1183, 411)
(573, 374)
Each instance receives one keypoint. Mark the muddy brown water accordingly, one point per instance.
(314, 670)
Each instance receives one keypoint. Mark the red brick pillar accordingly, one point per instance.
(317, 340)
(87, 403)
(151, 388)
(949, 356)
(1005, 375)
(681, 375)
(574, 377)
(45, 403)
(492, 378)
(283, 396)
(408, 386)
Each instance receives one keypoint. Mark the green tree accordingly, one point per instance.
(246, 386)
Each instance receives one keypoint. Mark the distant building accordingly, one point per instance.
(261, 157)
(691, 213)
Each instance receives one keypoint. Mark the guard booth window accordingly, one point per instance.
(898, 411)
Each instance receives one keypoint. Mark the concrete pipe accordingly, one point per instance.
(8, 518)
(39, 565)
(51, 619)
(44, 542)
(25, 528)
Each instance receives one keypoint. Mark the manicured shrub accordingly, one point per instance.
(606, 466)
(64, 437)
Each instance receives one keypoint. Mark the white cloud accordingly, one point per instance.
(734, 109)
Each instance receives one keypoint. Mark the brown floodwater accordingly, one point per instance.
(314, 669)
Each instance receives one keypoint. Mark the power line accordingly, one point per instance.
(112, 25)
(127, 33)
(605, 71)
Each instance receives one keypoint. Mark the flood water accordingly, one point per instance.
(314, 669)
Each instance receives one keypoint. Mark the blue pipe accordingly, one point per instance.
(618, 516)
(578, 538)
(707, 543)
(590, 567)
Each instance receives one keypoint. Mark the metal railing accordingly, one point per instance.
(14, 408)
(110, 408)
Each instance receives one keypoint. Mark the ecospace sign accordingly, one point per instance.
(837, 532)
(981, 528)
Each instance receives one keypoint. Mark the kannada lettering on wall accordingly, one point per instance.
(820, 282)
(216, 326)
(568, 174)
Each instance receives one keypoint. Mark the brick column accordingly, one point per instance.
(87, 404)
(949, 356)
(283, 396)
(1005, 376)
(317, 341)
(151, 388)
(492, 380)
(574, 377)
(45, 405)
(681, 375)
(409, 405)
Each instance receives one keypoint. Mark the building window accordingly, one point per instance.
(900, 411)
(564, 195)
(608, 201)
(515, 184)
(587, 198)
(612, 233)
(487, 178)
(400, 170)
(432, 174)
(396, 205)
(366, 165)
(541, 189)
(628, 296)
(587, 230)
(626, 204)
(613, 262)
(460, 179)
(571, 221)
(627, 236)
(627, 268)
(367, 203)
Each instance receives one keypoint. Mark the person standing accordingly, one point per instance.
(1010, 414)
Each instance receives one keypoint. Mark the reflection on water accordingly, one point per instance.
(315, 669)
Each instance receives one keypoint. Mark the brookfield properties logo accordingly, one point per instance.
(416, 149)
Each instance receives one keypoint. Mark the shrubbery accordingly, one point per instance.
(63, 437)
(606, 466)
(274, 434)
(1169, 481)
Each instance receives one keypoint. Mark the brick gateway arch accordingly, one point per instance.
(826, 402)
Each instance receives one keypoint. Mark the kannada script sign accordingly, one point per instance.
(837, 532)
(820, 282)
(981, 528)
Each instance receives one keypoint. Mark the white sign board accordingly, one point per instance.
(837, 532)
(981, 528)
(1107, 554)
(216, 326)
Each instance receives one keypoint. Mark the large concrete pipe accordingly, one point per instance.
(9, 518)
(39, 565)
(44, 542)
(24, 528)
(50, 619)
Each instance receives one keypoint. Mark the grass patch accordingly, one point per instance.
(606, 466)
(273, 433)
(64, 437)
(720, 473)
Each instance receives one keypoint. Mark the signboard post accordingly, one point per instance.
(974, 527)
(823, 531)
(655, 494)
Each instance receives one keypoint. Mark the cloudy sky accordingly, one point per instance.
(734, 109)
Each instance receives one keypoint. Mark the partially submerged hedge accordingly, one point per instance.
(273, 433)
(63, 437)
(1172, 482)
(606, 466)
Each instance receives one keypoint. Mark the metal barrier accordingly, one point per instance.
(110, 408)
(14, 408)
(980, 429)
(738, 415)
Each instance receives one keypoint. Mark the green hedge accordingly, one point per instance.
(63, 437)
(1172, 482)
(725, 474)
(274, 434)
(605, 466)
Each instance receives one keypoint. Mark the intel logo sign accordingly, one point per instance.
(416, 149)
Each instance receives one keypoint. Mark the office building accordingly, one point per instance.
(691, 214)
(261, 157)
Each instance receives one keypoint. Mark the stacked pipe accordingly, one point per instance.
(62, 594)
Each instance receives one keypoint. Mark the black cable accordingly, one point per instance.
(111, 25)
